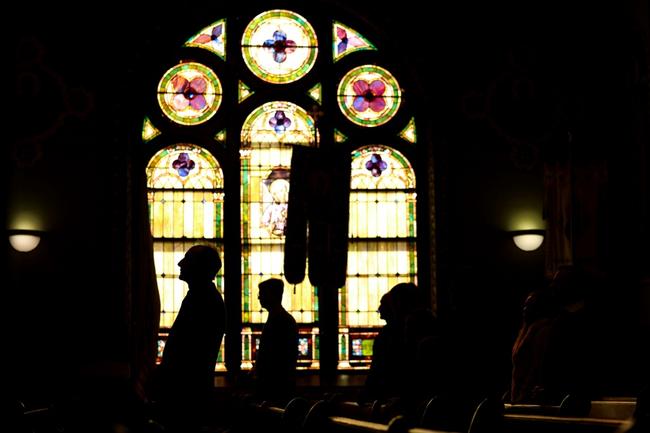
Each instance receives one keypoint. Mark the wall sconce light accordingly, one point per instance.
(528, 240)
(24, 240)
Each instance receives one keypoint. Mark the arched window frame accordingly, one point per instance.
(333, 125)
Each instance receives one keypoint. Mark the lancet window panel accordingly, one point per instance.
(382, 250)
(185, 196)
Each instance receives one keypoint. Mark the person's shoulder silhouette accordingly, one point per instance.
(186, 373)
(275, 364)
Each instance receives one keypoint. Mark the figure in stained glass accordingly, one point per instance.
(274, 218)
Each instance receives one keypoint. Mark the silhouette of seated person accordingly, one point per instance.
(185, 376)
(387, 379)
(275, 364)
(530, 349)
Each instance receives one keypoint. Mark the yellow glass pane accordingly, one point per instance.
(157, 217)
(168, 217)
(207, 222)
(179, 215)
(186, 209)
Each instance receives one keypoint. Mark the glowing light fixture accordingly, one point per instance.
(24, 240)
(528, 240)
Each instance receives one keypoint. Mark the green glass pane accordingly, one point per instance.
(243, 92)
(339, 137)
(408, 133)
(316, 93)
(211, 38)
(279, 46)
(369, 95)
(189, 93)
(220, 136)
(149, 132)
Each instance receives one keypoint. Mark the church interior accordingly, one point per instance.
(422, 144)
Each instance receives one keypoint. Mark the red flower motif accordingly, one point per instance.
(369, 95)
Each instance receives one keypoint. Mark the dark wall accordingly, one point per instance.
(497, 88)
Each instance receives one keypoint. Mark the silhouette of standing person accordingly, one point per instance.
(275, 364)
(186, 372)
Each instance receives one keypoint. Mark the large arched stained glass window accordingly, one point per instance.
(267, 138)
(185, 194)
(249, 100)
(382, 246)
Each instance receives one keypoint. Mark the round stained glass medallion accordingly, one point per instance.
(189, 93)
(369, 95)
(279, 46)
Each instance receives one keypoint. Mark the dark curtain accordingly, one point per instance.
(317, 219)
(143, 301)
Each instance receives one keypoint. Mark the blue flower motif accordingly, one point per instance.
(183, 165)
(376, 165)
(280, 46)
(280, 122)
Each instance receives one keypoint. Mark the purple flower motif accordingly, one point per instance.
(280, 46)
(376, 165)
(189, 93)
(369, 95)
(280, 122)
(183, 164)
(345, 40)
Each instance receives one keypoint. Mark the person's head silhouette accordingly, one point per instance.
(386, 308)
(201, 263)
(270, 295)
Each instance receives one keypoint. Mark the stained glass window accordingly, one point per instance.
(189, 93)
(369, 95)
(267, 138)
(279, 46)
(186, 183)
(185, 195)
(382, 248)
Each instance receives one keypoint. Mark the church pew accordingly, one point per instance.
(572, 415)
(302, 416)
(613, 409)
(534, 423)
(569, 406)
